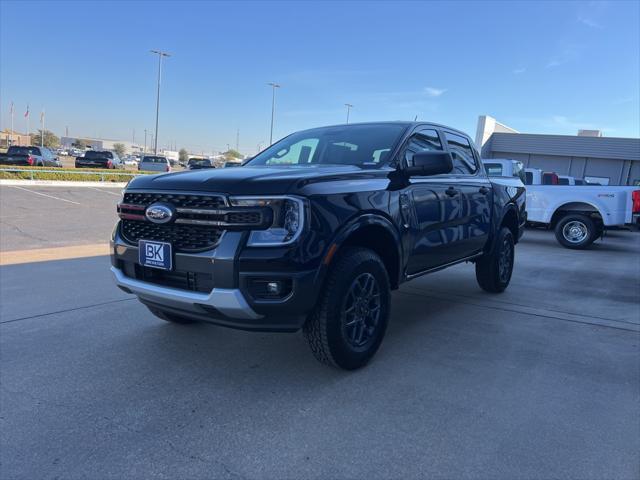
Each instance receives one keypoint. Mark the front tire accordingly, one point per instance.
(576, 231)
(493, 270)
(349, 321)
(170, 317)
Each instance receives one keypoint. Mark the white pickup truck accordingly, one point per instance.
(578, 213)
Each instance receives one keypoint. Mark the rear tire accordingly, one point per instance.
(576, 231)
(493, 270)
(171, 317)
(349, 321)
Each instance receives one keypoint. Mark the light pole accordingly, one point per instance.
(349, 107)
(260, 147)
(160, 55)
(273, 108)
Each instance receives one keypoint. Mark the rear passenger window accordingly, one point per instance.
(464, 162)
(419, 142)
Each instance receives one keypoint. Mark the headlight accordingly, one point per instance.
(288, 219)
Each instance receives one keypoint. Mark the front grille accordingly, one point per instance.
(178, 200)
(184, 238)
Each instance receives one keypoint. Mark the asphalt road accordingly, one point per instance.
(542, 381)
(42, 217)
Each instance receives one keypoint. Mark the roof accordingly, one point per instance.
(411, 124)
(567, 145)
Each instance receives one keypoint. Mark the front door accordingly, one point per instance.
(435, 205)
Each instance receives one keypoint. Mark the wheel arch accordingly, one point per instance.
(568, 208)
(372, 231)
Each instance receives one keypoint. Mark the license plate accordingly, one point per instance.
(155, 254)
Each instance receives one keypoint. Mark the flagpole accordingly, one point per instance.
(42, 131)
(28, 134)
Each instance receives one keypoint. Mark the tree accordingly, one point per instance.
(183, 155)
(49, 140)
(231, 153)
(120, 149)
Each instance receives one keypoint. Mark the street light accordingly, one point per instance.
(160, 55)
(349, 107)
(273, 108)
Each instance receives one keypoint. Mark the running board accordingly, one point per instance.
(441, 267)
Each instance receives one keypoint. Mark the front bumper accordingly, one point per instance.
(230, 302)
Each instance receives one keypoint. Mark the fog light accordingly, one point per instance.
(274, 288)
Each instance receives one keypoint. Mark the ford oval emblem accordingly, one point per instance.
(158, 213)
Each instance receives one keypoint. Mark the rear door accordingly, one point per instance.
(435, 205)
(476, 195)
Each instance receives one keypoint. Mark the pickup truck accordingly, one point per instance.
(315, 231)
(29, 156)
(577, 213)
(154, 163)
(99, 159)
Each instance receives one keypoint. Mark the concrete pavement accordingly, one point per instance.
(540, 382)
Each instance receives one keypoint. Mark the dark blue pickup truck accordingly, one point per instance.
(314, 232)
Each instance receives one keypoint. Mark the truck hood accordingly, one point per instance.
(253, 180)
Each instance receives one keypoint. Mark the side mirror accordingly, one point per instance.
(430, 163)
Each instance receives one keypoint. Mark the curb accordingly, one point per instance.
(62, 183)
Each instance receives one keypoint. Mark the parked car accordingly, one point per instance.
(29, 156)
(198, 163)
(315, 231)
(130, 160)
(579, 214)
(62, 151)
(154, 163)
(233, 163)
(99, 159)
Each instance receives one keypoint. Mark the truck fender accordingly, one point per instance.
(508, 209)
(351, 227)
(574, 206)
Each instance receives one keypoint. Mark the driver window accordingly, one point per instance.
(419, 142)
(299, 153)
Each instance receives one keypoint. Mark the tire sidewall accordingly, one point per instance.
(343, 353)
(505, 233)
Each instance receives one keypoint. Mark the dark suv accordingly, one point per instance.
(315, 231)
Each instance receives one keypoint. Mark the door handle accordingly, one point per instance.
(484, 190)
(452, 192)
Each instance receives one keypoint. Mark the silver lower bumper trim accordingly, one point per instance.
(228, 301)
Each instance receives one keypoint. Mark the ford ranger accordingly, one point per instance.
(315, 231)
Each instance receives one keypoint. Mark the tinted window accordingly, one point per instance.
(362, 145)
(154, 160)
(493, 169)
(528, 178)
(424, 140)
(463, 161)
(93, 154)
(23, 151)
(563, 181)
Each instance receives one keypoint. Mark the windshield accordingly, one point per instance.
(154, 160)
(361, 145)
(199, 161)
(92, 154)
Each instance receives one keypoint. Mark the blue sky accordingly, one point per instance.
(540, 67)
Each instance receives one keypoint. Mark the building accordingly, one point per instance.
(8, 138)
(589, 155)
(101, 144)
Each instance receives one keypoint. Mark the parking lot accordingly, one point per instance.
(542, 381)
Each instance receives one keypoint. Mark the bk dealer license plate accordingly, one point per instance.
(155, 254)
